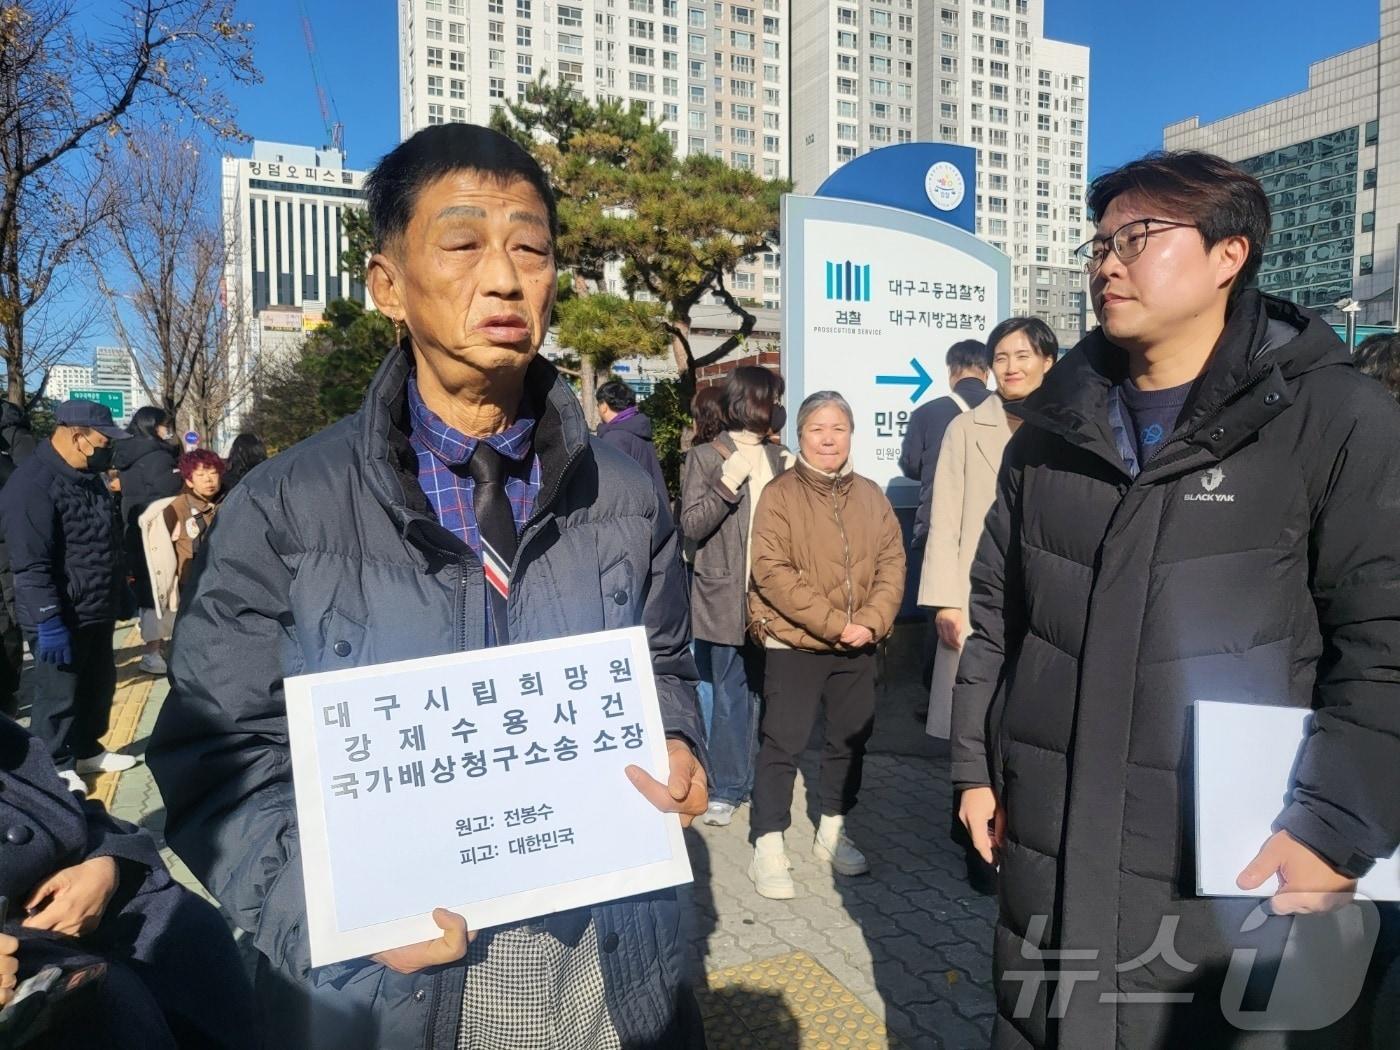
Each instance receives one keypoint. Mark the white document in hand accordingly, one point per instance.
(490, 782)
(1244, 770)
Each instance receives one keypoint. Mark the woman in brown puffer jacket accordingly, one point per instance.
(827, 580)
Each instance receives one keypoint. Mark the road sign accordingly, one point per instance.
(192, 439)
(113, 400)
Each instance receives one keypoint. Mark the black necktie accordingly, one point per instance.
(495, 522)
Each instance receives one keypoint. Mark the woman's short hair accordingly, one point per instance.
(1042, 339)
(821, 399)
(707, 409)
(750, 393)
(146, 421)
(198, 459)
(392, 188)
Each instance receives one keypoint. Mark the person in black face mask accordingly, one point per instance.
(66, 554)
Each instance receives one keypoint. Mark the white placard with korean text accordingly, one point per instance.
(489, 782)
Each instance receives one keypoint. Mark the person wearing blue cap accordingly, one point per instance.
(66, 555)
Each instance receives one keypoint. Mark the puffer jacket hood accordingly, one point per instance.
(637, 424)
(126, 454)
(1264, 336)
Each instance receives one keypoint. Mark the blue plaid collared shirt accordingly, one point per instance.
(443, 454)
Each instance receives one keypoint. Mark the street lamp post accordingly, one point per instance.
(1350, 307)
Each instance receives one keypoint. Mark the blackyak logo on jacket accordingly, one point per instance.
(1210, 481)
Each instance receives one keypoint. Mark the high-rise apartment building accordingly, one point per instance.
(981, 73)
(283, 220)
(713, 73)
(1320, 155)
(65, 378)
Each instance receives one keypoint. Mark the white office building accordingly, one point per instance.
(66, 378)
(979, 73)
(283, 211)
(1334, 199)
(712, 73)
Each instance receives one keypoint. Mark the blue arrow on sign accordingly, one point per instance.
(920, 380)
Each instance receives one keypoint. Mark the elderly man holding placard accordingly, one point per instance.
(463, 507)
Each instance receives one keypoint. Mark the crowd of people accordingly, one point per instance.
(1081, 591)
(89, 518)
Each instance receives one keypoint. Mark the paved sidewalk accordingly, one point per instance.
(896, 958)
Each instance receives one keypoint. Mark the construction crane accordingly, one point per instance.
(330, 116)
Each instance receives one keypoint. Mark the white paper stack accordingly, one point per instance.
(1244, 767)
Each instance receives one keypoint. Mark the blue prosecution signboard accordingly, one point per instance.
(873, 298)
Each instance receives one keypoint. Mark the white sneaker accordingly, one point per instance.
(74, 782)
(106, 762)
(719, 814)
(152, 663)
(771, 875)
(843, 858)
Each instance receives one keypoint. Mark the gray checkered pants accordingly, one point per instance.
(526, 990)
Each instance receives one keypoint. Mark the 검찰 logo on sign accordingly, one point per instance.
(945, 186)
(848, 281)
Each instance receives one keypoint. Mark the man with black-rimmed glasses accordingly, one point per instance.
(1203, 504)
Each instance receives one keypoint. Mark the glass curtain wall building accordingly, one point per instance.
(1312, 186)
(1329, 159)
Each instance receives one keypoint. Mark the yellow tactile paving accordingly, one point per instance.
(788, 1002)
(133, 689)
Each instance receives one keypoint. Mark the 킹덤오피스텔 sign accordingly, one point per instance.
(489, 782)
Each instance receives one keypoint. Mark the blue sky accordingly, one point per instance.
(1153, 62)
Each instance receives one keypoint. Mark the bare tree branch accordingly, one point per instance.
(170, 254)
(65, 91)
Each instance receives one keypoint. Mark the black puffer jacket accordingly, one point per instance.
(1255, 559)
(16, 445)
(63, 541)
(16, 440)
(148, 470)
(328, 557)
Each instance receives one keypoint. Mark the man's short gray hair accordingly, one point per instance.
(821, 399)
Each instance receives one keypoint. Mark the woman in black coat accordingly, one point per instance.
(84, 888)
(146, 464)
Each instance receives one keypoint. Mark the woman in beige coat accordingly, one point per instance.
(964, 489)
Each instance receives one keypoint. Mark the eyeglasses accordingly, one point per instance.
(1127, 242)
